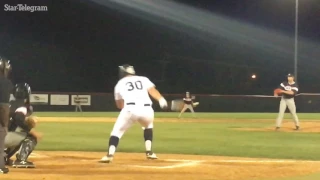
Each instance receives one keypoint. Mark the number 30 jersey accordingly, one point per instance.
(133, 90)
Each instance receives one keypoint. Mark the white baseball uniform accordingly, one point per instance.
(137, 104)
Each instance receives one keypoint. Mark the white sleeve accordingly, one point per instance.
(117, 95)
(148, 84)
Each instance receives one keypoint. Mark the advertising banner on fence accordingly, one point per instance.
(84, 100)
(59, 99)
(39, 99)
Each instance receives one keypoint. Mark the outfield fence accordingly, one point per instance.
(51, 101)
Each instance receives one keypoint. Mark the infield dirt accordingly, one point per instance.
(130, 166)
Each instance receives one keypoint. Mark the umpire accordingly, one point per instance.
(6, 88)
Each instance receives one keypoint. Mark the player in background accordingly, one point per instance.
(289, 91)
(188, 104)
(132, 97)
(21, 137)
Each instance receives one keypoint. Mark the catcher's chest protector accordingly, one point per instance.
(14, 105)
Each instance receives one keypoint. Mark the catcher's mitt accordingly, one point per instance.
(31, 121)
(277, 91)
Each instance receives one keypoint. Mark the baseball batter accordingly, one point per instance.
(188, 104)
(132, 97)
(289, 91)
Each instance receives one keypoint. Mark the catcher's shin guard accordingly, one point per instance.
(27, 146)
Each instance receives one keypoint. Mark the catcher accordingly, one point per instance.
(21, 138)
(188, 104)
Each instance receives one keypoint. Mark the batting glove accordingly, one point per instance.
(163, 103)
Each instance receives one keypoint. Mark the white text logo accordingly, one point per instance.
(24, 7)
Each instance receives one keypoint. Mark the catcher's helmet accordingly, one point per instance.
(22, 91)
(5, 67)
(126, 69)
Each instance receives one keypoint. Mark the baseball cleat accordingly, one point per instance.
(4, 170)
(151, 155)
(277, 128)
(297, 128)
(106, 159)
(23, 164)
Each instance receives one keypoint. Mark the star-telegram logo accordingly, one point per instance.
(24, 7)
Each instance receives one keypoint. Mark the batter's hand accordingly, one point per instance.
(163, 103)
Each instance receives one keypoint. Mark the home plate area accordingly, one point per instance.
(58, 165)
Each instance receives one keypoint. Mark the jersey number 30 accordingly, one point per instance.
(135, 85)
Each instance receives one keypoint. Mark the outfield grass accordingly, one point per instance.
(313, 116)
(186, 138)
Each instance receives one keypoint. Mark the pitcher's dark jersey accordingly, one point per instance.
(187, 100)
(289, 87)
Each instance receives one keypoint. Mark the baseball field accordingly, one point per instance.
(215, 146)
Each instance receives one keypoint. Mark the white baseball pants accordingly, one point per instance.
(144, 115)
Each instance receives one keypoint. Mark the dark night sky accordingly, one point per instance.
(78, 45)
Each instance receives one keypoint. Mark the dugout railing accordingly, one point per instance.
(99, 102)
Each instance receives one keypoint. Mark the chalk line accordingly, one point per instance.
(184, 164)
(36, 155)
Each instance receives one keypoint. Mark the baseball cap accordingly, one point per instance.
(290, 75)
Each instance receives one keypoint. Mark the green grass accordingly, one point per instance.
(185, 138)
(175, 114)
(219, 139)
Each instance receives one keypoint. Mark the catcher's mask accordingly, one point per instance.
(22, 91)
(5, 67)
(125, 70)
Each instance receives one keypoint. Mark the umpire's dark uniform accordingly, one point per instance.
(6, 88)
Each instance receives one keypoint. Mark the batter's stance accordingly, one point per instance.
(132, 97)
(289, 91)
(188, 104)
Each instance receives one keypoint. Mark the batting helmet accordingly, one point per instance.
(22, 91)
(5, 67)
(126, 69)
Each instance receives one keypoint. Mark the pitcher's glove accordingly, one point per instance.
(277, 92)
(195, 104)
(31, 121)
